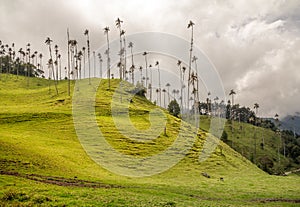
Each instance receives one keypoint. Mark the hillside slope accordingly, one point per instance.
(38, 142)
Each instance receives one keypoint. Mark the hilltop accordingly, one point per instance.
(43, 162)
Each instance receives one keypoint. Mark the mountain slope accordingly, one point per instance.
(38, 142)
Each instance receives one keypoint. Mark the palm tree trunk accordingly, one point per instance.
(94, 56)
(190, 65)
(69, 81)
(89, 57)
(108, 61)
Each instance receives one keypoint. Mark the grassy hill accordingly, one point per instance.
(43, 163)
(260, 145)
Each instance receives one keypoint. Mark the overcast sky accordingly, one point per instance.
(254, 45)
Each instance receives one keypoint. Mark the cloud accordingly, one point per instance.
(253, 44)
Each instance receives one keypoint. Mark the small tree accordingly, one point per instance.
(224, 136)
(174, 108)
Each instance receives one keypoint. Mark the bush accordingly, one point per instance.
(224, 136)
(174, 108)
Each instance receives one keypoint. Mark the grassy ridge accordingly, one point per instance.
(37, 136)
(243, 137)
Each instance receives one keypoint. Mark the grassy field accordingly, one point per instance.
(243, 137)
(43, 163)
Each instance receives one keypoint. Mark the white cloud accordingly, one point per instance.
(254, 44)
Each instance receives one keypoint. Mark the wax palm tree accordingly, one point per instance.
(232, 93)
(74, 59)
(150, 82)
(124, 53)
(141, 71)
(190, 25)
(86, 33)
(181, 83)
(59, 65)
(41, 62)
(174, 93)
(83, 54)
(194, 60)
(48, 42)
(118, 24)
(168, 86)
(106, 30)
(100, 64)
(193, 81)
(56, 61)
(159, 85)
(94, 57)
(79, 57)
(256, 106)
(146, 67)
(130, 45)
(67, 71)
(157, 95)
(27, 62)
(164, 91)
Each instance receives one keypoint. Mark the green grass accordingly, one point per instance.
(242, 137)
(37, 136)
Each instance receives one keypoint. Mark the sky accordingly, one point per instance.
(254, 45)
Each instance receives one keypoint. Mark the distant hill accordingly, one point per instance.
(291, 122)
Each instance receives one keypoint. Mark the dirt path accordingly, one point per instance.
(293, 171)
(61, 181)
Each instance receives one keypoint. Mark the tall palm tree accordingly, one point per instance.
(118, 24)
(100, 64)
(194, 60)
(48, 42)
(256, 106)
(190, 25)
(232, 93)
(157, 95)
(168, 86)
(141, 71)
(94, 57)
(79, 57)
(174, 93)
(193, 80)
(181, 83)
(83, 54)
(164, 91)
(277, 122)
(68, 71)
(74, 58)
(159, 85)
(146, 67)
(59, 63)
(27, 62)
(150, 82)
(216, 105)
(130, 45)
(106, 30)
(124, 54)
(86, 32)
(56, 61)
(41, 61)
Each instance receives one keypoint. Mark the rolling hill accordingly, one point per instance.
(43, 162)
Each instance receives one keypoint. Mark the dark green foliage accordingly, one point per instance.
(17, 67)
(224, 136)
(174, 108)
(139, 90)
(266, 164)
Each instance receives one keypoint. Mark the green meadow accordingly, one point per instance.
(44, 164)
